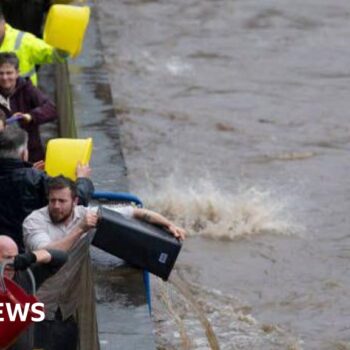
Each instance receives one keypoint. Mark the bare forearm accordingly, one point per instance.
(158, 219)
(67, 242)
(42, 256)
(151, 217)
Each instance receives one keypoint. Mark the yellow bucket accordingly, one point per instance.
(63, 155)
(65, 27)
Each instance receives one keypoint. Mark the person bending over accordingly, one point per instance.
(64, 225)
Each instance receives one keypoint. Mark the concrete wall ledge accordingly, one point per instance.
(122, 311)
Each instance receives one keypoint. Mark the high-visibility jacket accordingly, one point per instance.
(30, 50)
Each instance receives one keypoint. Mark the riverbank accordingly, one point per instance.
(122, 311)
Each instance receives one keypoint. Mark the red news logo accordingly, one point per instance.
(13, 312)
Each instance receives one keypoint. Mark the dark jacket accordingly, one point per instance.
(22, 190)
(26, 15)
(29, 99)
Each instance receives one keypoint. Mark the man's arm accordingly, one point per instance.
(66, 243)
(43, 263)
(42, 52)
(37, 108)
(51, 257)
(42, 271)
(158, 219)
(36, 237)
(84, 185)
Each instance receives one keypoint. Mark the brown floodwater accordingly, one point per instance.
(234, 121)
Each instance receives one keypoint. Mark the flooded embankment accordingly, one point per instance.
(242, 107)
(122, 311)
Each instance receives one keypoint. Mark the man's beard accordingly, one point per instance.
(62, 219)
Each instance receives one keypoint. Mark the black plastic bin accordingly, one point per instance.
(139, 243)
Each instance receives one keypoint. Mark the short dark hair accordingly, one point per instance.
(10, 58)
(12, 141)
(59, 183)
(2, 16)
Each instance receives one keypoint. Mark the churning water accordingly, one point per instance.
(204, 210)
(253, 95)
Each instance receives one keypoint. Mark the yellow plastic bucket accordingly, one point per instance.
(63, 155)
(65, 27)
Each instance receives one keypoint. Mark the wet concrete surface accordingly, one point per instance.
(123, 317)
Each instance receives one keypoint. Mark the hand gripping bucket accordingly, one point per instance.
(12, 294)
(63, 155)
(65, 27)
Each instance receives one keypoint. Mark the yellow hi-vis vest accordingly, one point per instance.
(30, 50)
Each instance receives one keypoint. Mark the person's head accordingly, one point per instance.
(13, 143)
(8, 250)
(62, 199)
(2, 26)
(9, 72)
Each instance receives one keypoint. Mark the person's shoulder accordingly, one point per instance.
(81, 210)
(23, 86)
(30, 40)
(34, 176)
(26, 169)
(30, 36)
(24, 83)
(10, 29)
(38, 215)
(26, 36)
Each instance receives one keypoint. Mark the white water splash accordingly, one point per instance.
(203, 210)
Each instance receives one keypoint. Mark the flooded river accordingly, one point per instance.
(234, 121)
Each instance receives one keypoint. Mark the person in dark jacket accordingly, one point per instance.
(19, 97)
(26, 15)
(23, 188)
(43, 263)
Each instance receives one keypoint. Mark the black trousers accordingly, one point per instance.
(57, 334)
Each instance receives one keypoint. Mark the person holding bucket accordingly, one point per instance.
(43, 264)
(23, 188)
(30, 50)
(21, 100)
(67, 226)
